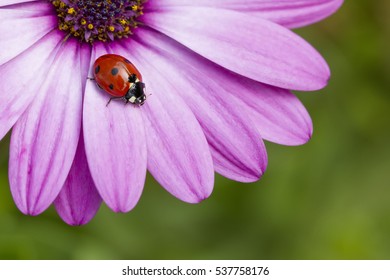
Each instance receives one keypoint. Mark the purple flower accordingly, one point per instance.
(219, 74)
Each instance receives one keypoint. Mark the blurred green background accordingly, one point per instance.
(329, 199)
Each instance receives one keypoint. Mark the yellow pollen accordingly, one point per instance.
(78, 19)
(64, 26)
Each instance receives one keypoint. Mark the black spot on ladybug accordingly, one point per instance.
(97, 69)
(127, 61)
(111, 86)
(114, 71)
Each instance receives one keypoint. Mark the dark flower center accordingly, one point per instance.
(103, 20)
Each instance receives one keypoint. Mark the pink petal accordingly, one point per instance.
(85, 56)
(29, 9)
(45, 138)
(292, 13)
(250, 46)
(17, 93)
(16, 2)
(178, 154)
(115, 146)
(276, 113)
(236, 146)
(17, 33)
(78, 200)
(289, 13)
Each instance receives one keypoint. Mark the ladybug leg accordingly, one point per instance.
(109, 101)
(89, 78)
(112, 99)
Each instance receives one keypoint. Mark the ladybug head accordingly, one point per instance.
(140, 100)
(136, 94)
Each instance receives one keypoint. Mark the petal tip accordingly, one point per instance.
(195, 196)
(31, 211)
(251, 177)
(195, 200)
(317, 83)
(254, 178)
(325, 81)
(74, 220)
(76, 223)
(29, 208)
(309, 136)
(201, 198)
(121, 209)
(303, 139)
(324, 77)
(246, 173)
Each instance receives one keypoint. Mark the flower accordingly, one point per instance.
(219, 74)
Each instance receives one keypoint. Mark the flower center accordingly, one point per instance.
(103, 20)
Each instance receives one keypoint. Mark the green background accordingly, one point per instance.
(328, 199)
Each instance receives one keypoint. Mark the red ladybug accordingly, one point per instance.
(119, 78)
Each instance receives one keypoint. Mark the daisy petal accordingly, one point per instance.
(278, 114)
(45, 138)
(289, 13)
(14, 45)
(17, 93)
(241, 157)
(250, 46)
(178, 153)
(78, 200)
(115, 146)
(20, 22)
(228, 104)
(37, 8)
(16, 2)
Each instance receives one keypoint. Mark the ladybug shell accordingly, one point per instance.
(112, 71)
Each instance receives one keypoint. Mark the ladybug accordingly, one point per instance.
(119, 78)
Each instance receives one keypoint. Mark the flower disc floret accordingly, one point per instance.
(100, 20)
